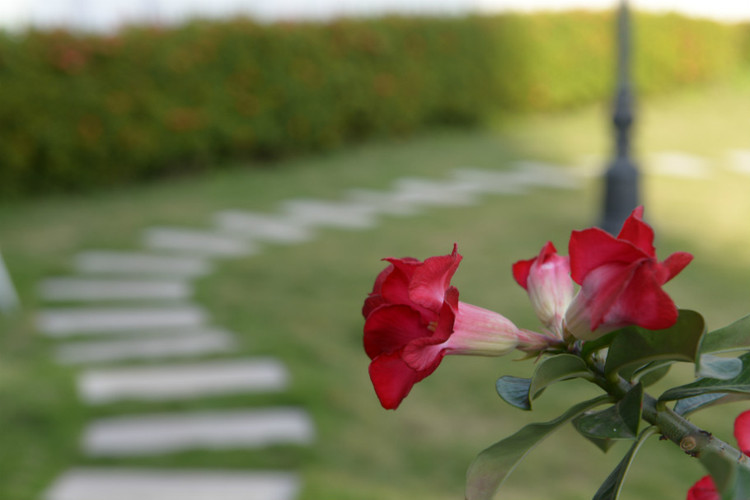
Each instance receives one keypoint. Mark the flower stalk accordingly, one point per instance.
(689, 437)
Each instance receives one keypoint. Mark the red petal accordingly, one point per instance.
(742, 431)
(643, 302)
(393, 379)
(704, 489)
(447, 317)
(522, 268)
(380, 279)
(521, 271)
(603, 288)
(638, 232)
(674, 264)
(395, 287)
(371, 303)
(593, 248)
(390, 327)
(431, 280)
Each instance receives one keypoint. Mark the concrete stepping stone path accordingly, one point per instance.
(435, 193)
(94, 290)
(182, 381)
(205, 243)
(262, 227)
(169, 328)
(162, 344)
(383, 202)
(172, 432)
(71, 321)
(166, 484)
(535, 173)
(739, 161)
(676, 164)
(140, 263)
(346, 215)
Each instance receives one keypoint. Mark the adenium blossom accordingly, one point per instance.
(705, 488)
(620, 280)
(413, 318)
(546, 278)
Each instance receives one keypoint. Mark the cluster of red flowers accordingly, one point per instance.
(413, 316)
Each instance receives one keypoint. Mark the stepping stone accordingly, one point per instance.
(383, 202)
(262, 227)
(487, 181)
(81, 289)
(427, 192)
(740, 161)
(88, 483)
(182, 381)
(538, 173)
(63, 322)
(166, 433)
(345, 215)
(676, 164)
(139, 263)
(163, 345)
(196, 242)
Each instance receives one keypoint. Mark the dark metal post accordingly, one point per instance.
(621, 178)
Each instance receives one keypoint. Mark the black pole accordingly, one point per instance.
(621, 178)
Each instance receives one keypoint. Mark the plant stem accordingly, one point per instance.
(689, 437)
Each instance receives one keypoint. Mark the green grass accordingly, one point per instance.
(301, 303)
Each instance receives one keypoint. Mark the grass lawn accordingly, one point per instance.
(301, 303)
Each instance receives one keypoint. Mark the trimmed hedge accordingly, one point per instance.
(79, 111)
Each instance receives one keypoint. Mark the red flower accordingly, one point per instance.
(413, 318)
(620, 280)
(705, 488)
(546, 278)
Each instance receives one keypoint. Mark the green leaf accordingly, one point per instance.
(556, 369)
(635, 346)
(494, 465)
(711, 366)
(619, 421)
(514, 391)
(603, 444)
(591, 346)
(734, 337)
(739, 384)
(690, 405)
(731, 479)
(652, 372)
(611, 487)
(729, 338)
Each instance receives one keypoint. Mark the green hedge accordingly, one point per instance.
(79, 111)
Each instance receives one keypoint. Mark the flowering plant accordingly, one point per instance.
(620, 331)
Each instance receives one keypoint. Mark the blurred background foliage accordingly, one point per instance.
(82, 110)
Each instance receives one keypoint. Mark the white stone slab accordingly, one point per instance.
(489, 181)
(384, 202)
(537, 173)
(435, 193)
(83, 289)
(162, 345)
(182, 381)
(344, 215)
(88, 483)
(165, 433)
(140, 263)
(677, 164)
(70, 321)
(739, 161)
(196, 242)
(262, 227)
